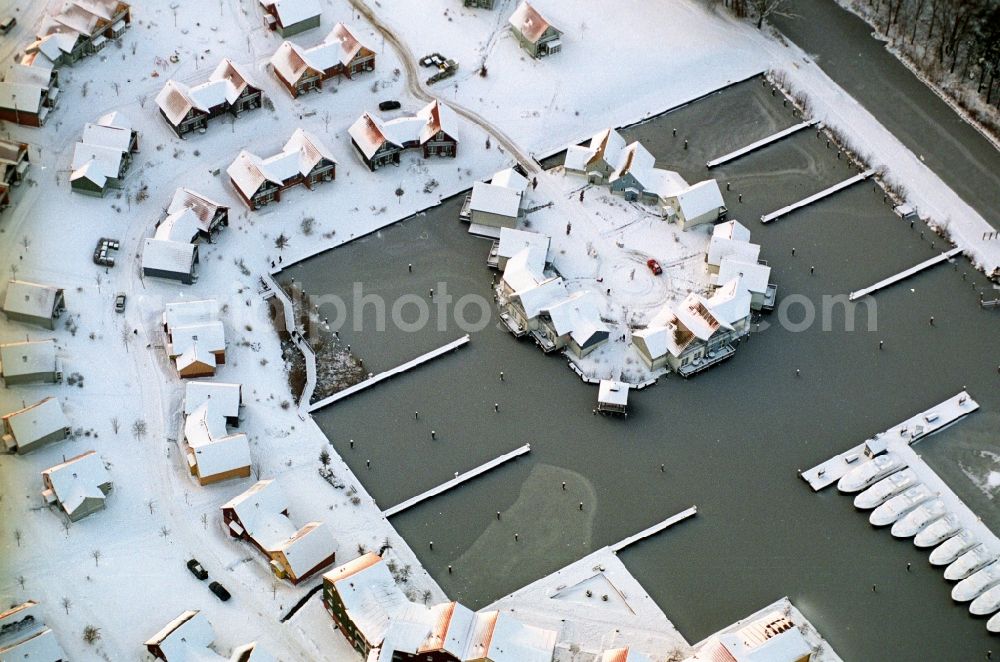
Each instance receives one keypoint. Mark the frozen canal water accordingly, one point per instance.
(731, 439)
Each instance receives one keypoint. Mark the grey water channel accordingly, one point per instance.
(731, 439)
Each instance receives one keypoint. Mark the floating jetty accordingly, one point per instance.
(457, 480)
(902, 435)
(382, 376)
(902, 275)
(271, 289)
(656, 528)
(763, 142)
(774, 215)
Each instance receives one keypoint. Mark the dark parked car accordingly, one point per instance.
(389, 105)
(197, 570)
(219, 590)
(7, 24)
(120, 308)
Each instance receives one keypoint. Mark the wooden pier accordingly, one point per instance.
(656, 528)
(850, 181)
(457, 480)
(899, 436)
(902, 275)
(763, 142)
(382, 376)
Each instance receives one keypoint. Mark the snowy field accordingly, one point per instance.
(157, 516)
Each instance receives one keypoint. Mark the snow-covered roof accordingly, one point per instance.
(303, 152)
(577, 316)
(437, 117)
(252, 652)
(31, 299)
(635, 160)
(260, 512)
(339, 48)
(754, 276)
(36, 74)
(291, 12)
(223, 399)
(417, 629)
(369, 594)
(623, 655)
(721, 247)
(528, 22)
(36, 421)
(525, 269)
(168, 255)
(33, 644)
(499, 637)
(213, 449)
(204, 208)
(210, 336)
(25, 97)
(28, 357)
(96, 163)
(771, 638)
(513, 241)
(694, 313)
(182, 313)
(493, 199)
(511, 179)
(731, 229)
(700, 198)
(612, 392)
(225, 84)
(289, 61)
(95, 133)
(186, 639)
(308, 548)
(664, 183)
(180, 226)
(370, 132)
(577, 158)
(730, 303)
(78, 479)
(606, 146)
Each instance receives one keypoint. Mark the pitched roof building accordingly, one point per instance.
(30, 362)
(24, 635)
(77, 487)
(33, 303)
(288, 17)
(533, 32)
(341, 53)
(227, 90)
(196, 339)
(260, 516)
(498, 203)
(103, 156)
(29, 93)
(303, 160)
(433, 130)
(362, 598)
(14, 161)
(81, 28)
(34, 426)
(771, 638)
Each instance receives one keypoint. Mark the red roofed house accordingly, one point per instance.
(303, 160)
(535, 34)
(432, 129)
(301, 70)
(227, 90)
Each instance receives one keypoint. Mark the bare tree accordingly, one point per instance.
(97, 557)
(66, 604)
(115, 424)
(139, 429)
(17, 536)
(91, 635)
(21, 581)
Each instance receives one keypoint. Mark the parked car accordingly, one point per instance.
(219, 590)
(654, 266)
(120, 306)
(197, 570)
(7, 24)
(389, 105)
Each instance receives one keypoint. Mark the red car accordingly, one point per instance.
(654, 266)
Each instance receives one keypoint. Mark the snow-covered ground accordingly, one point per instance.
(157, 516)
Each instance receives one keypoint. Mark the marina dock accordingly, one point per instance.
(897, 437)
(457, 480)
(763, 142)
(774, 215)
(382, 376)
(656, 528)
(902, 275)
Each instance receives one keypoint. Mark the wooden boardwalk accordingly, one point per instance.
(457, 480)
(902, 275)
(382, 376)
(850, 181)
(763, 142)
(656, 528)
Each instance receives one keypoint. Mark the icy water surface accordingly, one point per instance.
(730, 439)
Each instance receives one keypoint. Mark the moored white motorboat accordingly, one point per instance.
(976, 584)
(993, 625)
(885, 489)
(973, 560)
(919, 518)
(987, 602)
(939, 531)
(899, 505)
(953, 547)
(870, 472)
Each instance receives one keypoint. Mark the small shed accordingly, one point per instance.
(612, 397)
(33, 303)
